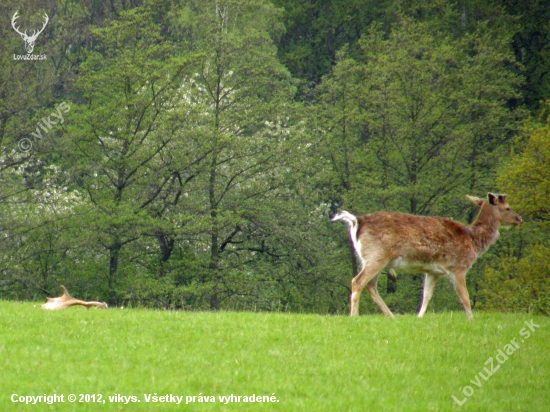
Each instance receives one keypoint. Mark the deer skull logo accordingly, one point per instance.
(29, 40)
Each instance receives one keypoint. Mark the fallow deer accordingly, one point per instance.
(66, 300)
(401, 242)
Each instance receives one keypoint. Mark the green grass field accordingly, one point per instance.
(306, 362)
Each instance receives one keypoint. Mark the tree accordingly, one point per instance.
(240, 99)
(530, 44)
(527, 176)
(316, 30)
(122, 131)
(519, 285)
(29, 245)
(522, 280)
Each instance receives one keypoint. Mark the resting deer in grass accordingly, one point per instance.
(420, 244)
(66, 301)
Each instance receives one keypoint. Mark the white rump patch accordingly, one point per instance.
(351, 221)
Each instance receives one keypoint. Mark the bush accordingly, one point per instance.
(520, 285)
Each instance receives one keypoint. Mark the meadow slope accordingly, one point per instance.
(302, 362)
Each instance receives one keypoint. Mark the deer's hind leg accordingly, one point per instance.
(373, 290)
(368, 276)
(429, 284)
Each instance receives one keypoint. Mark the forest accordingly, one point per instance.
(189, 154)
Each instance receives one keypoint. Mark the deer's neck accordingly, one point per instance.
(485, 230)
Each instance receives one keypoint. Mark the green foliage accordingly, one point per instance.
(120, 133)
(239, 100)
(520, 285)
(413, 106)
(315, 31)
(527, 176)
(531, 48)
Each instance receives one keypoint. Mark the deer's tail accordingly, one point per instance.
(352, 223)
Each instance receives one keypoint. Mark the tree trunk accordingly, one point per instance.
(166, 244)
(114, 251)
(214, 241)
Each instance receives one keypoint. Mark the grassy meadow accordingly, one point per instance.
(300, 362)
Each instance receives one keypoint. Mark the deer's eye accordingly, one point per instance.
(508, 209)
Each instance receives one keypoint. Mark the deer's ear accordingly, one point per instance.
(475, 200)
(492, 198)
(502, 199)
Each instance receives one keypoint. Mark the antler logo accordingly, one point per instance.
(29, 40)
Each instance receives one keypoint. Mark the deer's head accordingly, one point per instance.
(499, 208)
(29, 40)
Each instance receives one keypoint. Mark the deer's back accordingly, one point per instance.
(416, 240)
